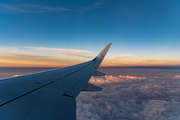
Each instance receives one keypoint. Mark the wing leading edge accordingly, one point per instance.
(48, 95)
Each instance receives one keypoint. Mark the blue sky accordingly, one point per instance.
(143, 29)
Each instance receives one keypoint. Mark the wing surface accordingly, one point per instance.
(48, 95)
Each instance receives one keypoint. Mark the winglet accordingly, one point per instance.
(99, 58)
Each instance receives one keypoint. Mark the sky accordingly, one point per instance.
(43, 33)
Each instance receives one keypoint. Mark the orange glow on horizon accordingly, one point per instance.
(18, 59)
(14, 63)
(105, 63)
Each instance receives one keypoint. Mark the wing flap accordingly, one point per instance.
(46, 105)
(77, 88)
(17, 109)
(39, 105)
(90, 87)
(67, 109)
(98, 73)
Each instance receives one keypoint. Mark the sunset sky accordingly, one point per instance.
(61, 33)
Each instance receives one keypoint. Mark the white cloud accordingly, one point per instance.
(123, 56)
(176, 77)
(109, 79)
(160, 59)
(58, 50)
(4, 48)
(16, 75)
(30, 8)
(139, 94)
(33, 8)
(70, 52)
(43, 51)
(90, 7)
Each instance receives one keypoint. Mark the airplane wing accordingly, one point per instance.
(48, 95)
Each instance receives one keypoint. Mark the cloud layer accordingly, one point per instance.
(134, 94)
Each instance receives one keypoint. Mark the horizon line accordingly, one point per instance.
(147, 67)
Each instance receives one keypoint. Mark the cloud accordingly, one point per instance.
(54, 54)
(70, 51)
(4, 48)
(33, 8)
(16, 75)
(132, 61)
(40, 56)
(133, 94)
(90, 7)
(78, 55)
(30, 8)
(160, 59)
(18, 59)
(122, 56)
(176, 77)
(109, 79)
(120, 60)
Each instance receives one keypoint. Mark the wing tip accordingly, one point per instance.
(99, 58)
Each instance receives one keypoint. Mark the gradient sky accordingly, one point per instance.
(42, 33)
